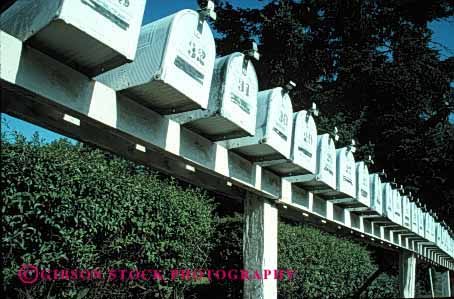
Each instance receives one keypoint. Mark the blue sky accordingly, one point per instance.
(443, 33)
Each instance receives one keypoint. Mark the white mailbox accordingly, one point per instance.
(429, 232)
(406, 212)
(397, 201)
(376, 201)
(438, 233)
(273, 129)
(304, 145)
(421, 222)
(444, 239)
(388, 196)
(346, 172)
(91, 36)
(174, 65)
(326, 160)
(232, 104)
(414, 217)
(323, 182)
(362, 183)
(449, 245)
(303, 154)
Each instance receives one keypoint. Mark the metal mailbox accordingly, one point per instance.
(397, 202)
(447, 240)
(174, 65)
(345, 168)
(406, 212)
(326, 160)
(345, 191)
(421, 222)
(414, 217)
(438, 234)
(437, 229)
(91, 36)
(273, 129)
(304, 145)
(450, 246)
(323, 182)
(232, 104)
(362, 183)
(429, 232)
(388, 196)
(376, 201)
(303, 154)
(444, 239)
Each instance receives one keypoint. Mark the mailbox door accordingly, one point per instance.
(362, 183)
(421, 222)
(376, 193)
(189, 57)
(443, 238)
(279, 122)
(388, 206)
(304, 145)
(429, 227)
(406, 212)
(346, 172)
(326, 160)
(414, 217)
(397, 201)
(438, 233)
(239, 99)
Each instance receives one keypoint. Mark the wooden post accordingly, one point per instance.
(446, 286)
(407, 274)
(441, 284)
(260, 246)
(431, 280)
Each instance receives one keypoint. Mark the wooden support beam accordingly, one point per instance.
(260, 246)
(431, 280)
(407, 274)
(441, 283)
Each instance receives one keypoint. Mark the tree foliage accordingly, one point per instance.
(372, 68)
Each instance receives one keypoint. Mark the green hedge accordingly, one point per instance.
(70, 206)
(326, 266)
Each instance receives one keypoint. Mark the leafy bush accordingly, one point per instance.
(385, 286)
(227, 254)
(326, 266)
(69, 206)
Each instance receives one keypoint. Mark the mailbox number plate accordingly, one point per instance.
(118, 11)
